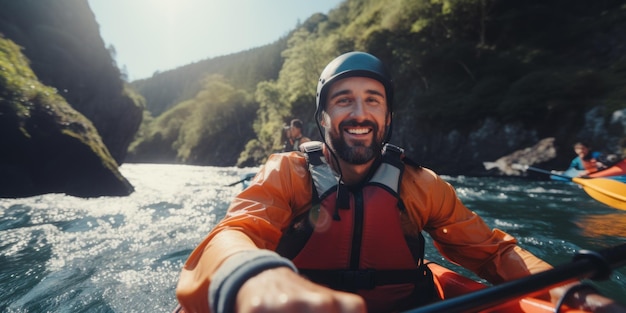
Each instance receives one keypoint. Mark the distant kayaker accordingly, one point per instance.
(294, 136)
(586, 161)
(337, 228)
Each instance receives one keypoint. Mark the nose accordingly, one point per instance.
(359, 109)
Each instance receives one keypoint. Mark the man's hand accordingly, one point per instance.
(282, 290)
(598, 303)
(587, 300)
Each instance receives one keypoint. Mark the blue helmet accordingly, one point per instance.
(353, 64)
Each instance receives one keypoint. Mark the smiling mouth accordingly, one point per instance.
(358, 131)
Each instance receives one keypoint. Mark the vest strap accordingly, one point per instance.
(362, 279)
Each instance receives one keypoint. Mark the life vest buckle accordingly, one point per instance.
(393, 148)
(313, 152)
(359, 279)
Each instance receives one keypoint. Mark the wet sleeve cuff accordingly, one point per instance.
(235, 271)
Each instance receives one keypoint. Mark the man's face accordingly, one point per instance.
(295, 132)
(581, 150)
(355, 118)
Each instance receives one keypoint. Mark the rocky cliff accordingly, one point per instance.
(66, 116)
(62, 41)
(462, 151)
(47, 146)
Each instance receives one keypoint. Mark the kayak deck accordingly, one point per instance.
(451, 284)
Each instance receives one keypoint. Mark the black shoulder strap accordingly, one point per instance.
(313, 152)
(324, 178)
(393, 155)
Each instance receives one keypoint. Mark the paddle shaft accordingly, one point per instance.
(547, 172)
(249, 177)
(586, 264)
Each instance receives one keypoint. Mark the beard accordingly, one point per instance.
(360, 152)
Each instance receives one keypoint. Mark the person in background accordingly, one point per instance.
(287, 142)
(337, 228)
(294, 136)
(586, 161)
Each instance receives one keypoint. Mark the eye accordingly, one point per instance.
(343, 101)
(373, 100)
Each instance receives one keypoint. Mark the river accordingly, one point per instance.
(123, 254)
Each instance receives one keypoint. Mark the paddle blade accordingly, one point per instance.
(607, 191)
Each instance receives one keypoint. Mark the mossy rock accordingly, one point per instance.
(47, 146)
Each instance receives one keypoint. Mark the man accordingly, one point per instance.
(297, 138)
(288, 142)
(586, 161)
(294, 136)
(343, 214)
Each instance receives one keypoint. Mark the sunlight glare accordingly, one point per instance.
(168, 10)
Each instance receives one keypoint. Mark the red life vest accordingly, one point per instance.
(590, 165)
(352, 239)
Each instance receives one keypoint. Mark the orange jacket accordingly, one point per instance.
(282, 190)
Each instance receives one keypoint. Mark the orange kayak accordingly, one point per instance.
(451, 284)
(617, 172)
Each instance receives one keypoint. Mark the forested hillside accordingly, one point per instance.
(475, 80)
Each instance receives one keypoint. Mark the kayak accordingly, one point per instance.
(450, 284)
(615, 172)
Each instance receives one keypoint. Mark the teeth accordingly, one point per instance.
(359, 131)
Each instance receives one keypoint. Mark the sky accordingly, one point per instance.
(159, 35)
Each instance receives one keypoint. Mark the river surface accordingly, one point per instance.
(123, 254)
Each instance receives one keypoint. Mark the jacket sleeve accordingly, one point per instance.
(461, 235)
(254, 220)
